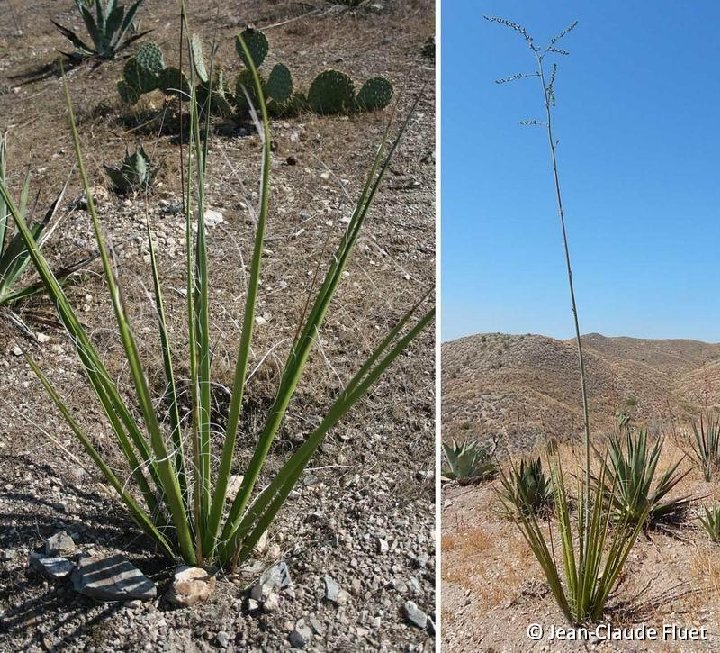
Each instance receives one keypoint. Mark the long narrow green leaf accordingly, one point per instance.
(243, 355)
(4, 213)
(173, 410)
(166, 470)
(141, 517)
(301, 350)
(276, 493)
(115, 409)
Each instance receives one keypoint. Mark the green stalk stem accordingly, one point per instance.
(561, 213)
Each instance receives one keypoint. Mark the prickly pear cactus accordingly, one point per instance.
(135, 173)
(279, 85)
(216, 95)
(128, 94)
(244, 89)
(172, 81)
(375, 94)
(141, 73)
(331, 92)
(256, 43)
(150, 57)
(296, 103)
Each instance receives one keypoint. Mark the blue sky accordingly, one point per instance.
(638, 124)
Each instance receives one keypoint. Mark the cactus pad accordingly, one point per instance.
(172, 81)
(150, 57)
(279, 85)
(244, 84)
(331, 92)
(296, 103)
(375, 94)
(143, 80)
(198, 59)
(128, 94)
(256, 43)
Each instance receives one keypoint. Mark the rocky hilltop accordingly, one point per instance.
(525, 388)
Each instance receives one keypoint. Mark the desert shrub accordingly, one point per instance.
(174, 495)
(109, 27)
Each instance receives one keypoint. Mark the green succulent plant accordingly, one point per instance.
(331, 92)
(14, 257)
(135, 173)
(111, 29)
(640, 491)
(468, 462)
(711, 522)
(527, 488)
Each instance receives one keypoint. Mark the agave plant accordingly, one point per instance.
(711, 522)
(706, 444)
(631, 470)
(526, 488)
(14, 257)
(468, 462)
(110, 28)
(176, 496)
(135, 173)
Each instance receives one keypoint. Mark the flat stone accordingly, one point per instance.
(274, 578)
(191, 585)
(111, 579)
(332, 589)
(60, 545)
(223, 639)
(300, 636)
(52, 567)
(271, 603)
(415, 615)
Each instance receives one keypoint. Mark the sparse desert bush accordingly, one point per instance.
(705, 444)
(711, 522)
(110, 28)
(330, 92)
(469, 462)
(175, 495)
(633, 489)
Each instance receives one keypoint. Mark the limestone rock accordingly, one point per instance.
(191, 585)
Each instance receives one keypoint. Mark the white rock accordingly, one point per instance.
(191, 585)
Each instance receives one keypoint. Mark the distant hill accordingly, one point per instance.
(527, 387)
